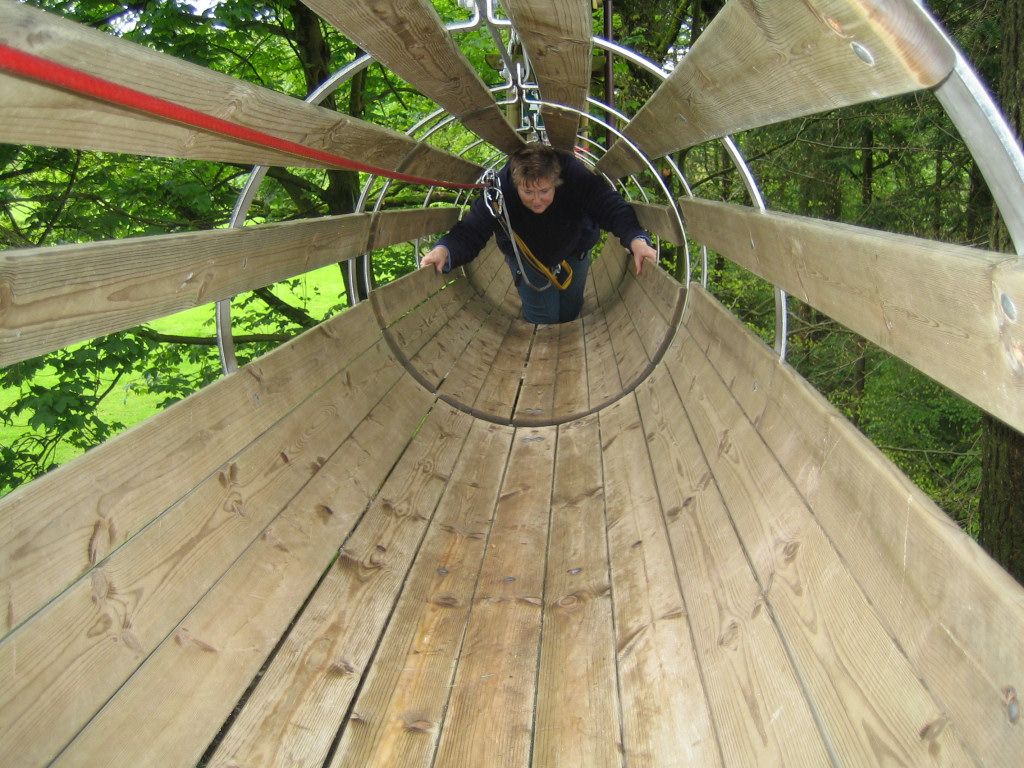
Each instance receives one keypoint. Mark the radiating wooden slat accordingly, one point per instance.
(58, 527)
(428, 325)
(589, 293)
(402, 225)
(69, 658)
(650, 324)
(664, 292)
(489, 719)
(443, 351)
(556, 36)
(500, 388)
(60, 295)
(627, 345)
(465, 380)
(737, 643)
(665, 716)
(603, 380)
(952, 622)
(408, 37)
(298, 705)
(494, 279)
(577, 696)
(611, 265)
(537, 394)
(402, 703)
(571, 385)
(659, 220)
(868, 699)
(400, 297)
(508, 296)
(760, 62)
(174, 705)
(948, 310)
(419, 326)
(36, 114)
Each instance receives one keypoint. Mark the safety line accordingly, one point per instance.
(52, 73)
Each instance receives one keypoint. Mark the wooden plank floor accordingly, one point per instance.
(640, 586)
(571, 595)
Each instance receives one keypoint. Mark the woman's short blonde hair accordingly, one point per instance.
(535, 162)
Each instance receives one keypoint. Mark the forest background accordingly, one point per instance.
(896, 165)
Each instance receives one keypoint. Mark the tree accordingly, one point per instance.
(50, 196)
(1001, 501)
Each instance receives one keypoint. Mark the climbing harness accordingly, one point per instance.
(494, 199)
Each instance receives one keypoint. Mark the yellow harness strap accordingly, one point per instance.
(542, 268)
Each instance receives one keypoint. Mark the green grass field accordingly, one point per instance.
(130, 403)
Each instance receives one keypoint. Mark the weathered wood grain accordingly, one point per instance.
(664, 292)
(577, 698)
(603, 381)
(36, 114)
(627, 345)
(501, 385)
(58, 527)
(659, 220)
(945, 309)
(72, 656)
(466, 378)
(408, 37)
(401, 706)
(52, 297)
(605, 274)
(952, 622)
(760, 62)
(482, 270)
(400, 297)
(556, 36)
(425, 322)
(571, 387)
(770, 723)
(651, 326)
(489, 720)
(665, 716)
(403, 225)
(589, 293)
(173, 706)
(868, 699)
(445, 349)
(537, 393)
(297, 706)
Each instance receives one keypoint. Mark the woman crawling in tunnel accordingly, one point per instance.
(546, 210)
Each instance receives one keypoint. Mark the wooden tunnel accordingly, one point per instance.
(429, 533)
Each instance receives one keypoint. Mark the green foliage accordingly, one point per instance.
(65, 409)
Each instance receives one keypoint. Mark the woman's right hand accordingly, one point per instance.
(436, 257)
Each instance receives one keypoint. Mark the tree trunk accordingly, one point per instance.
(1001, 501)
(342, 190)
(867, 197)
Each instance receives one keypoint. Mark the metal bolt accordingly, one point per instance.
(1009, 308)
(863, 53)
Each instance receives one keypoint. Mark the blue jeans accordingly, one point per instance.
(551, 305)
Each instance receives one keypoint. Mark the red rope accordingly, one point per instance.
(49, 72)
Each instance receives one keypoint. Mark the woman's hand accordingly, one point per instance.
(436, 257)
(642, 252)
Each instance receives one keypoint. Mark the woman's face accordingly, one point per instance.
(537, 195)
